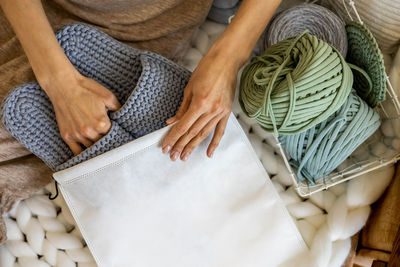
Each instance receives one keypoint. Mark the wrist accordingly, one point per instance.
(54, 80)
(229, 55)
(232, 47)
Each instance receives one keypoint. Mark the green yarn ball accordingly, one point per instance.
(295, 84)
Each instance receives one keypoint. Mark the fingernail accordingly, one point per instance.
(210, 155)
(185, 156)
(174, 155)
(166, 149)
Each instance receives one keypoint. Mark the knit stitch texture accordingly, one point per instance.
(149, 87)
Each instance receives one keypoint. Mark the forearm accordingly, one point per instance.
(36, 36)
(238, 40)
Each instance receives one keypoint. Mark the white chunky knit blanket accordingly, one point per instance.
(42, 232)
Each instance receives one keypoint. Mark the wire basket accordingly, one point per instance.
(381, 149)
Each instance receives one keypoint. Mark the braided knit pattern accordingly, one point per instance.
(149, 86)
(42, 233)
(295, 84)
(318, 151)
(365, 53)
(328, 219)
(320, 21)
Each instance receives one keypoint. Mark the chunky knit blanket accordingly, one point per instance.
(43, 233)
(149, 86)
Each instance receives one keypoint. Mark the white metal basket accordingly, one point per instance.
(378, 151)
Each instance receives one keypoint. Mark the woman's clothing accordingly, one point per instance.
(161, 26)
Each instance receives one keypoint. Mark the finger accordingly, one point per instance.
(190, 134)
(218, 133)
(74, 146)
(103, 125)
(180, 128)
(182, 109)
(203, 134)
(94, 137)
(84, 141)
(110, 100)
(90, 133)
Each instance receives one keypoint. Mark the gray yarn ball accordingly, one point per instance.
(320, 21)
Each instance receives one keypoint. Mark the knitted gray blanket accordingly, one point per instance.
(149, 87)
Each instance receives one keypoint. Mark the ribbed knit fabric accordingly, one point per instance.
(149, 87)
(365, 53)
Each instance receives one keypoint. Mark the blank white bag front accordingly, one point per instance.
(135, 207)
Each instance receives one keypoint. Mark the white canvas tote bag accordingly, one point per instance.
(135, 207)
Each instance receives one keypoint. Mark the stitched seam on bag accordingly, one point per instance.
(82, 228)
(115, 163)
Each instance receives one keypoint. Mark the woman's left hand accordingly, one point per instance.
(209, 94)
(206, 106)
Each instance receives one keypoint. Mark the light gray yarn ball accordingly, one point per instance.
(320, 21)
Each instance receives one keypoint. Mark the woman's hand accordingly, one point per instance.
(80, 103)
(209, 95)
(81, 106)
(206, 105)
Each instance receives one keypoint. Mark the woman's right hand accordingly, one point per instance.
(81, 106)
(80, 103)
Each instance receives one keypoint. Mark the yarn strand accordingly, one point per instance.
(318, 151)
(295, 84)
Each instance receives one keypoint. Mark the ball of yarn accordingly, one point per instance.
(365, 53)
(295, 84)
(320, 21)
(320, 150)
